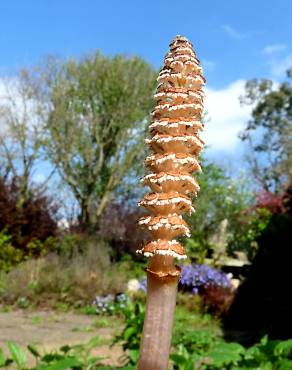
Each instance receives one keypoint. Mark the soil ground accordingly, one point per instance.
(51, 330)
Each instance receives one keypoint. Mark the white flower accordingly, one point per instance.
(133, 285)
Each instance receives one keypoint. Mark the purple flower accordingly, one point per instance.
(143, 284)
(197, 277)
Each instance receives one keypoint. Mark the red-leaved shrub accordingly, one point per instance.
(32, 219)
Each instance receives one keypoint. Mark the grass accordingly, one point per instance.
(195, 321)
(105, 322)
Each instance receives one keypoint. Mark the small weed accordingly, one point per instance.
(88, 310)
(106, 322)
(37, 320)
(62, 307)
(83, 329)
(23, 302)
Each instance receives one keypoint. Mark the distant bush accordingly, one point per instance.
(213, 286)
(75, 280)
(118, 226)
(262, 304)
(8, 254)
(28, 222)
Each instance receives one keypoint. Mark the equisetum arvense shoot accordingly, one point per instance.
(175, 145)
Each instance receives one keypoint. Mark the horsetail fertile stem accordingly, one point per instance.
(175, 145)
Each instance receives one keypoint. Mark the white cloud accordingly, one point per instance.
(225, 117)
(233, 33)
(274, 48)
(280, 67)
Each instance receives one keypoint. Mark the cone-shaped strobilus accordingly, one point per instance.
(175, 145)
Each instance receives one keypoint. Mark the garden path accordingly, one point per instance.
(51, 330)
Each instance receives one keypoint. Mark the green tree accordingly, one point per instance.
(219, 207)
(96, 111)
(269, 132)
(21, 138)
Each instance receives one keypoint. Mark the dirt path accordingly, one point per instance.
(51, 330)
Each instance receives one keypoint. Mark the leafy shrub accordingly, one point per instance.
(265, 355)
(131, 335)
(213, 286)
(9, 255)
(221, 198)
(26, 220)
(118, 226)
(262, 304)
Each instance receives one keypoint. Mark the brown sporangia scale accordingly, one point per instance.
(175, 145)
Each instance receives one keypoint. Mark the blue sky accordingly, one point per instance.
(229, 36)
(235, 40)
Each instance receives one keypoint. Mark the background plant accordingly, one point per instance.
(268, 132)
(95, 111)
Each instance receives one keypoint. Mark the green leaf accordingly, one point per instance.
(94, 342)
(2, 357)
(285, 365)
(17, 354)
(178, 359)
(50, 357)
(226, 353)
(283, 348)
(134, 355)
(129, 332)
(33, 350)
(95, 360)
(253, 353)
(63, 364)
(65, 348)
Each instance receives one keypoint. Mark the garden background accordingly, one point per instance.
(76, 91)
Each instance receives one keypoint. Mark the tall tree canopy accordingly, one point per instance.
(98, 110)
(22, 138)
(269, 132)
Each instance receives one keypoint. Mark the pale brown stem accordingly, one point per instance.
(162, 278)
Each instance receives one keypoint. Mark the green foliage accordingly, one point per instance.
(211, 354)
(134, 314)
(130, 267)
(252, 224)
(191, 349)
(77, 357)
(9, 256)
(221, 199)
(199, 351)
(17, 355)
(131, 334)
(205, 349)
(96, 124)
